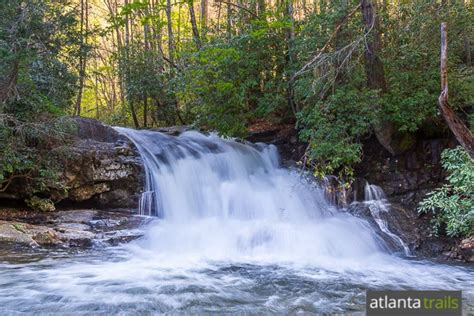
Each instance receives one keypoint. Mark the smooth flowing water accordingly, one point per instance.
(234, 232)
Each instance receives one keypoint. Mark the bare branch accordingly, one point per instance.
(329, 41)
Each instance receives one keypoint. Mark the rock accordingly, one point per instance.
(101, 168)
(43, 205)
(98, 168)
(85, 192)
(70, 229)
(466, 249)
(406, 178)
(26, 234)
(88, 128)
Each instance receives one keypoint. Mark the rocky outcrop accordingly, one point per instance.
(100, 169)
(107, 174)
(68, 228)
(406, 178)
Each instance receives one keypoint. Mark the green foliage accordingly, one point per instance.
(30, 152)
(43, 205)
(32, 56)
(453, 203)
(334, 128)
(229, 83)
(38, 45)
(337, 113)
(213, 89)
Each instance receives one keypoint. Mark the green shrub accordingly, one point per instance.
(453, 203)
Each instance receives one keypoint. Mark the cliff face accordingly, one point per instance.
(406, 178)
(100, 169)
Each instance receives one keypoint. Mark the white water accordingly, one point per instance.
(223, 200)
(234, 233)
(379, 206)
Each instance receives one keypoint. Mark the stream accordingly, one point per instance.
(232, 231)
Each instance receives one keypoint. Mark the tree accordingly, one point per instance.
(457, 126)
(84, 30)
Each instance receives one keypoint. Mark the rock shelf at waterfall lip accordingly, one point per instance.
(66, 230)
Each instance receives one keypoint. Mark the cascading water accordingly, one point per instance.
(226, 200)
(379, 209)
(233, 233)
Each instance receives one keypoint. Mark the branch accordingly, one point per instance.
(240, 7)
(12, 177)
(331, 38)
(169, 61)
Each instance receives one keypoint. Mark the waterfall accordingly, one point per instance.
(219, 198)
(230, 231)
(379, 209)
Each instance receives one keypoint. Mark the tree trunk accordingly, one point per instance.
(374, 68)
(456, 125)
(7, 88)
(145, 110)
(82, 59)
(290, 37)
(229, 20)
(170, 31)
(134, 114)
(466, 40)
(127, 70)
(261, 8)
(192, 16)
(204, 15)
(373, 65)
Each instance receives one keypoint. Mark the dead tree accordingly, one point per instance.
(456, 125)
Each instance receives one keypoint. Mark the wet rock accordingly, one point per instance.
(406, 178)
(26, 234)
(100, 174)
(70, 229)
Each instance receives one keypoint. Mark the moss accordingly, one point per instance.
(19, 227)
(43, 205)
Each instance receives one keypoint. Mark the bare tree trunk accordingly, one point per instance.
(82, 57)
(204, 15)
(134, 114)
(96, 89)
(290, 37)
(373, 65)
(374, 68)
(192, 16)
(170, 31)
(145, 109)
(127, 70)
(261, 8)
(467, 44)
(456, 125)
(229, 20)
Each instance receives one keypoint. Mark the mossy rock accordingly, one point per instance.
(43, 205)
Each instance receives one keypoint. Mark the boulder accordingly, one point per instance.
(80, 228)
(26, 234)
(101, 168)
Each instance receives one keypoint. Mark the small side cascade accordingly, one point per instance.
(379, 208)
